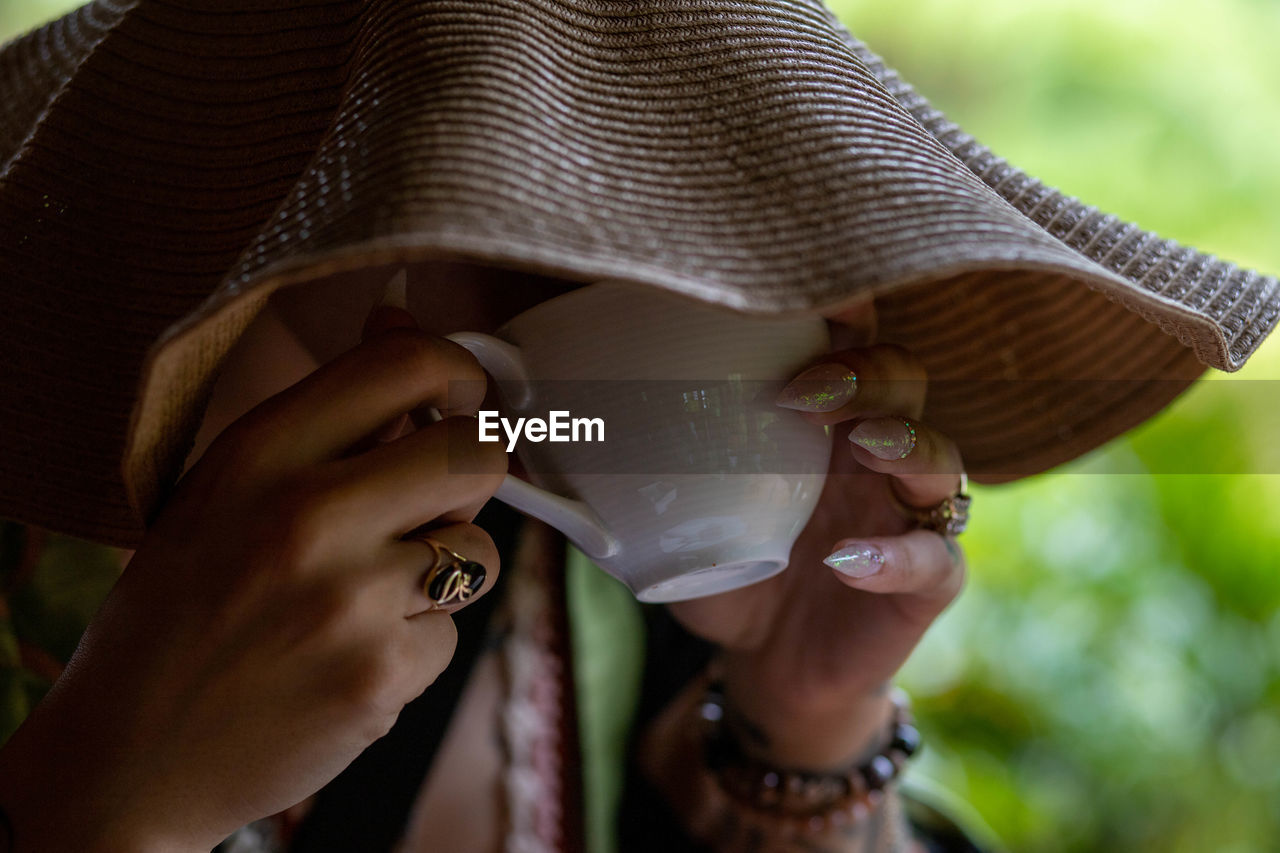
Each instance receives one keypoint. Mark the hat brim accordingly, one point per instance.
(167, 167)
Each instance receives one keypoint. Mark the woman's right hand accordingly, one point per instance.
(271, 624)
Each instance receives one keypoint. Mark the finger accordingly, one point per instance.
(920, 563)
(881, 379)
(442, 471)
(345, 400)
(384, 318)
(383, 665)
(427, 642)
(414, 560)
(924, 463)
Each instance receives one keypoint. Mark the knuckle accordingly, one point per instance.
(241, 445)
(900, 362)
(329, 612)
(470, 456)
(388, 671)
(469, 384)
(419, 358)
(952, 583)
(402, 346)
(943, 456)
(900, 561)
(433, 652)
(937, 450)
(895, 352)
(301, 515)
(379, 727)
(374, 687)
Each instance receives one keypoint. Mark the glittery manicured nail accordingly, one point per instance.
(857, 561)
(821, 388)
(887, 438)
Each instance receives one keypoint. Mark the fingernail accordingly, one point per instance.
(857, 561)
(384, 318)
(886, 438)
(821, 388)
(397, 293)
(392, 312)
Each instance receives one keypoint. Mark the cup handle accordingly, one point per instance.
(573, 518)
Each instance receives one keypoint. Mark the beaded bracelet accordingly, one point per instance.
(809, 802)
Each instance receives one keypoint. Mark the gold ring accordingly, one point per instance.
(950, 517)
(451, 578)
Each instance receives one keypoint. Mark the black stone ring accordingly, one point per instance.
(451, 578)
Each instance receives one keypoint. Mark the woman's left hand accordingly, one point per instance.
(807, 655)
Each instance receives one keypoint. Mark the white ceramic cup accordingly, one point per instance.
(702, 483)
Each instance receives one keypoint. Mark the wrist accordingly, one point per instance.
(805, 799)
(62, 789)
(816, 730)
(734, 806)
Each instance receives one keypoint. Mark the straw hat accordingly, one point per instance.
(164, 166)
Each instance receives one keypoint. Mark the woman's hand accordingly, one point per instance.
(807, 654)
(271, 625)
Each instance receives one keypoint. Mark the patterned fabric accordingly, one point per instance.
(534, 715)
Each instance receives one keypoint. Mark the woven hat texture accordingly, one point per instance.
(166, 164)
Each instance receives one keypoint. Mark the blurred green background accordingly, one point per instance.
(1110, 679)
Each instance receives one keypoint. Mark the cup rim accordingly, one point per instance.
(587, 291)
(593, 289)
